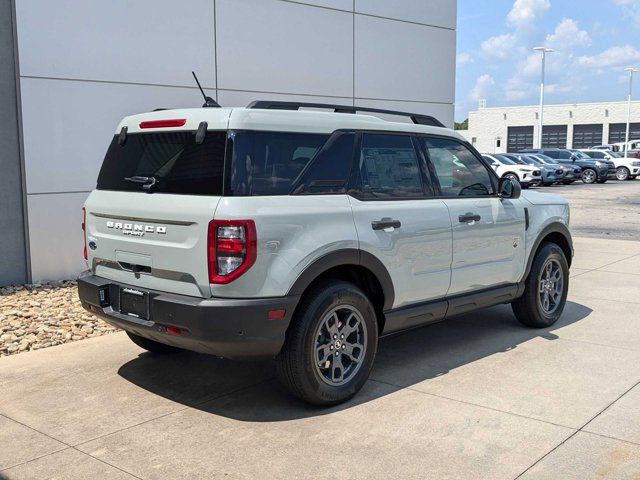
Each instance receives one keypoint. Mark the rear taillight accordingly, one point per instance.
(231, 249)
(84, 233)
(169, 123)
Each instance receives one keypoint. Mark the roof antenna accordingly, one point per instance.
(208, 101)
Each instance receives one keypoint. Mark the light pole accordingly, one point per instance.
(544, 51)
(626, 137)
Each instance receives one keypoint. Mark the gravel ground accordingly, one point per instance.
(43, 315)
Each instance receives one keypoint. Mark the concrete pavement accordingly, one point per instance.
(474, 397)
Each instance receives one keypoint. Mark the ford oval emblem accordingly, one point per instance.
(93, 245)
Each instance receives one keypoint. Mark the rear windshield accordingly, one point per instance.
(172, 159)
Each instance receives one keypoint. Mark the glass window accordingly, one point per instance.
(459, 171)
(388, 167)
(329, 170)
(172, 160)
(596, 154)
(268, 163)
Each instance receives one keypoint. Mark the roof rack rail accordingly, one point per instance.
(416, 118)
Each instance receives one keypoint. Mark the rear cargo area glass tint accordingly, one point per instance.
(173, 159)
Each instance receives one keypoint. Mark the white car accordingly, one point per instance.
(506, 168)
(302, 235)
(626, 168)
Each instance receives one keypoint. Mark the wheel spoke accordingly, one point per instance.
(347, 329)
(352, 351)
(323, 352)
(337, 370)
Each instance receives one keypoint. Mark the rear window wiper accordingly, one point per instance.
(147, 182)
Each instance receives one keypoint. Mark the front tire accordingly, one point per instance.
(546, 289)
(589, 176)
(152, 346)
(623, 173)
(330, 346)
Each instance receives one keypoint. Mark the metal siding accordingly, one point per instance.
(13, 254)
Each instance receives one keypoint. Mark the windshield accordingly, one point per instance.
(580, 155)
(545, 159)
(504, 160)
(165, 162)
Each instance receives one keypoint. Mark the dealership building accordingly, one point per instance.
(71, 69)
(581, 125)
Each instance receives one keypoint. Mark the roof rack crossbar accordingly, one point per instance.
(416, 118)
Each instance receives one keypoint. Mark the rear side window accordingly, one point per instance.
(388, 167)
(173, 159)
(269, 163)
(329, 170)
(596, 154)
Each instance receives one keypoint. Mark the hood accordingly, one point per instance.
(540, 198)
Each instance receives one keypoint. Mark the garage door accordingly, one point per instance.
(617, 132)
(519, 138)
(554, 136)
(587, 136)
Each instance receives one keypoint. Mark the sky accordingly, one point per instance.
(594, 41)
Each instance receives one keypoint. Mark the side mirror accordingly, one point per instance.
(509, 188)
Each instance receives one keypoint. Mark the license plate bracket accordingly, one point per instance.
(135, 303)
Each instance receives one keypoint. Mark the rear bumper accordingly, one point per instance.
(231, 328)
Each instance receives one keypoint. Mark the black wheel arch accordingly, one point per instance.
(348, 257)
(557, 233)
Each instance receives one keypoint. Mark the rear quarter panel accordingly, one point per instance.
(292, 232)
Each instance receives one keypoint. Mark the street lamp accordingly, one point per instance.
(544, 51)
(626, 137)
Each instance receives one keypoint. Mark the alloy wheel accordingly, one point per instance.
(340, 345)
(622, 173)
(589, 176)
(550, 286)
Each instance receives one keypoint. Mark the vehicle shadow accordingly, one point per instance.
(402, 360)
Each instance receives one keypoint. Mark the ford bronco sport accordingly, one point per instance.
(279, 230)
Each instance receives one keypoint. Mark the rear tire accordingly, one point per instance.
(152, 346)
(330, 346)
(589, 176)
(546, 288)
(623, 173)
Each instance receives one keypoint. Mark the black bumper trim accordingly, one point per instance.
(231, 328)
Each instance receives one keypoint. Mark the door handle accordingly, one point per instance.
(385, 222)
(469, 217)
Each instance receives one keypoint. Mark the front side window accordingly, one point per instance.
(596, 154)
(388, 167)
(459, 172)
(269, 163)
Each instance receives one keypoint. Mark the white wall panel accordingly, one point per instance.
(242, 99)
(145, 41)
(68, 126)
(276, 46)
(55, 235)
(403, 61)
(443, 112)
(339, 4)
(430, 12)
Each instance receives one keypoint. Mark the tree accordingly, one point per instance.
(462, 126)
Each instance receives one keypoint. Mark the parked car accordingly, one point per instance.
(626, 168)
(507, 168)
(571, 173)
(550, 174)
(592, 170)
(304, 235)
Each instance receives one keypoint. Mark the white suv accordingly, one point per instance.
(303, 235)
(527, 175)
(626, 168)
